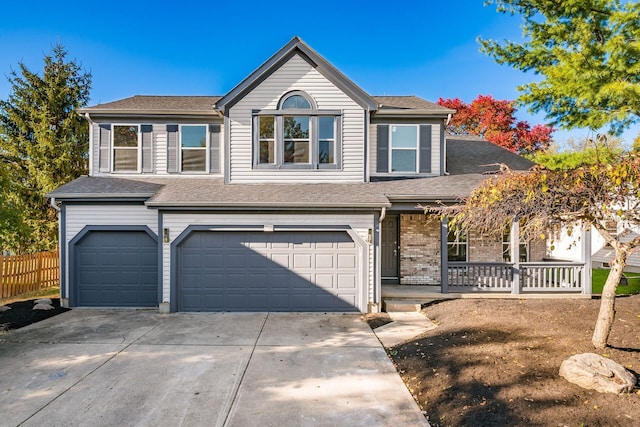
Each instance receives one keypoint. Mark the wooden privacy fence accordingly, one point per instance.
(28, 273)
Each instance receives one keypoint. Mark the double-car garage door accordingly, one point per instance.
(258, 271)
(222, 271)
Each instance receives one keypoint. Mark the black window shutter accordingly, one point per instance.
(425, 148)
(214, 157)
(383, 148)
(147, 148)
(172, 148)
(105, 147)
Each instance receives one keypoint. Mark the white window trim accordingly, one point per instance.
(507, 244)
(458, 243)
(416, 148)
(207, 165)
(114, 148)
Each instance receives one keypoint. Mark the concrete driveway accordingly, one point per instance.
(127, 367)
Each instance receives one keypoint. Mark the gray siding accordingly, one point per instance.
(436, 125)
(156, 156)
(296, 74)
(78, 216)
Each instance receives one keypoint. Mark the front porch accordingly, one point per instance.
(424, 256)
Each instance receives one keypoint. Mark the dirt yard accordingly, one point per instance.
(22, 314)
(495, 363)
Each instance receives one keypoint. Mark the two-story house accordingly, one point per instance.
(295, 191)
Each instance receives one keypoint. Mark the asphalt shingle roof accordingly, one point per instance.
(148, 103)
(110, 187)
(213, 192)
(470, 154)
(408, 102)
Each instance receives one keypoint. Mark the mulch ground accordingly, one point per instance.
(23, 314)
(496, 362)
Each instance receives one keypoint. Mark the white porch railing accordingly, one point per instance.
(515, 278)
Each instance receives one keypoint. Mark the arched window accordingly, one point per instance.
(297, 100)
(297, 134)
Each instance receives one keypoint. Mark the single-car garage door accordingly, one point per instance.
(116, 269)
(278, 271)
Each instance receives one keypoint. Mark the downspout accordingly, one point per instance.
(52, 202)
(377, 287)
(61, 252)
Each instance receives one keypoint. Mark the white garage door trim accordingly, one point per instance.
(361, 244)
(73, 254)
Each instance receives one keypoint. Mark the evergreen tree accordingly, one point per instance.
(43, 144)
(586, 55)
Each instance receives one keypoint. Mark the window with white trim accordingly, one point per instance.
(193, 148)
(457, 246)
(126, 148)
(403, 146)
(297, 135)
(506, 247)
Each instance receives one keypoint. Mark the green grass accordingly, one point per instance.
(599, 276)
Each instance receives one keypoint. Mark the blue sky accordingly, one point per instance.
(423, 48)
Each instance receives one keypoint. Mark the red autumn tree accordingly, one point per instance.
(495, 121)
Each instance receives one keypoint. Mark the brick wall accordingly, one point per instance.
(419, 250)
(483, 248)
(537, 250)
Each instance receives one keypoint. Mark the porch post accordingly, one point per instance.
(515, 256)
(586, 259)
(444, 258)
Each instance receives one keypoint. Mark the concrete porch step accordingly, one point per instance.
(401, 305)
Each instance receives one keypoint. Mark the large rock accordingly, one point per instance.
(43, 307)
(592, 371)
(43, 301)
(4, 308)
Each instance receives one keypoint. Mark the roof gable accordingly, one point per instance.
(297, 47)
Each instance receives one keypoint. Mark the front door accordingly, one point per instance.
(389, 250)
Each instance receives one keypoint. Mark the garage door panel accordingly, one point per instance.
(346, 281)
(325, 261)
(116, 269)
(347, 261)
(281, 271)
(324, 280)
(301, 261)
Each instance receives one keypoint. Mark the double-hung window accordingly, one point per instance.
(297, 135)
(126, 148)
(296, 139)
(193, 148)
(506, 248)
(404, 148)
(456, 246)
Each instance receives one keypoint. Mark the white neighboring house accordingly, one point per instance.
(568, 247)
(295, 191)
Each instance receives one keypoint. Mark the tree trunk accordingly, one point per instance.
(608, 303)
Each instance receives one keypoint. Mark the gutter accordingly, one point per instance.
(150, 113)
